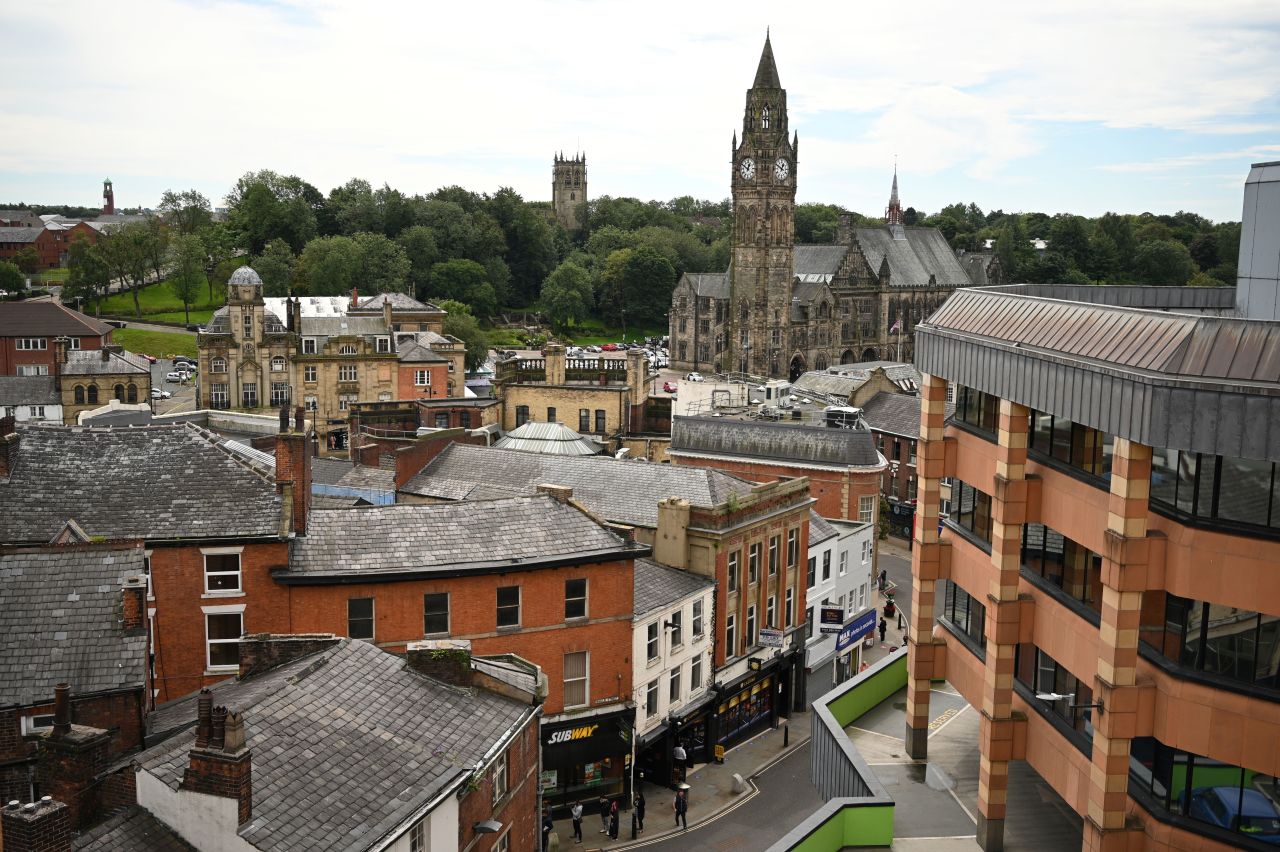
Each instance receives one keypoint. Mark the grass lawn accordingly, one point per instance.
(158, 301)
(51, 276)
(594, 332)
(161, 344)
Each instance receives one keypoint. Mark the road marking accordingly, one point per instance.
(945, 719)
(962, 807)
(877, 733)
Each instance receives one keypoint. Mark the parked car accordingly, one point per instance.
(1255, 816)
(610, 347)
(176, 376)
(694, 377)
(184, 359)
(157, 393)
(669, 387)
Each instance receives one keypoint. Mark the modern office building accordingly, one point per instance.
(1106, 589)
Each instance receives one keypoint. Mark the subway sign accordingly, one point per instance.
(569, 735)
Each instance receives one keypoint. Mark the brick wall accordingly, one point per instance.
(543, 638)
(837, 492)
(411, 454)
(519, 810)
(408, 388)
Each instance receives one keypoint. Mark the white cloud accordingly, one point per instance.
(1252, 153)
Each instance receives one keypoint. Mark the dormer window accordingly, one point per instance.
(764, 118)
(347, 349)
(308, 346)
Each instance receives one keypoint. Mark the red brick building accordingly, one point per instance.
(28, 331)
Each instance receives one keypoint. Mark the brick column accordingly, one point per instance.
(1008, 514)
(1124, 577)
(926, 561)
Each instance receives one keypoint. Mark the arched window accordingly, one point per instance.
(79, 394)
(347, 349)
(132, 393)
(120, 392)
(764, 118)
(93, 393)
(277, 364)
(218, 365)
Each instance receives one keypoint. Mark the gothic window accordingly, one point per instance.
(79, 394)
(764, 118)
(132, 394)
(573, 196)
(742, 310)
(824, 310)
(93, 393)
(820, 363)
(846, 331)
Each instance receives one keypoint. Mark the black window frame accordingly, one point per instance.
(507, 607)
(575, 604)
(428, 613)
(354, 618)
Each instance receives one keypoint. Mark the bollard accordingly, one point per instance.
(786, 733)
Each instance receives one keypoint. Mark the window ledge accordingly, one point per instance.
(219, 671)
(512, 628)
(226, 594)
(653, 663)
(577, 620)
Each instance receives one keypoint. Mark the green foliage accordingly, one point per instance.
(27, 260)
(265, 206)
(186, 212)
(817, 223)
(12, 280)
(384, 265)
(464, 281)
(330, 266)
(567, 295)
(128, 253)
(1164, 262)
(419, 244)
(275, 266)
(219, 247)
(186, 264)
(459, 323)
(636, 286)
(88, 274)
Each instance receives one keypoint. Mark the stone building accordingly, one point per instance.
(569, 190)
(782, 308)
(594, 395)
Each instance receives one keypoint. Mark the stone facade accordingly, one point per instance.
(604, 395)
(783, 308)
(569, 190)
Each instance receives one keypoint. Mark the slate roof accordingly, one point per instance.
(713, 284)
(329, 471)
(924, 252)
(441, 538)
(658, 586)
(767, 71)
(820, 529)
(348, 744)
(415, 353)
(553, 439)
(364, 476)
(823, 383)
(220, 322)
(29, 390)
(89, 362)
(19, 235)
(813, 445)
(134, 829)
(348, 326)
(820, 260)
(61, 622)
(47, 319)
(625, 492)
(399, 302)
(896, 413)
(151, 482)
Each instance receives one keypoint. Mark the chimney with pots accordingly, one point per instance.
(43, 826)
(8, 445)
(61, 709)
(293, 467)
(265, 651)
(445, 660)
(60, 347)
(69, 759)
(386, 317)
(671, 539)
(220, 765)
(355, 298)
(135, 604)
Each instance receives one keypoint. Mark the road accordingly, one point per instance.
(184, 396)
(895, 560)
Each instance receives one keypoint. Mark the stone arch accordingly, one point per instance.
(131, 394)
(869, 354)
(93, 393)
(820, 362)
(797, 367)
(847, 357)
(119, 392)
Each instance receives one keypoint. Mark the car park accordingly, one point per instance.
(157, 393)
(694, 377)
(176, 376)
(669, 387)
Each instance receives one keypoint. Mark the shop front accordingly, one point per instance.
(849, 644)
(586, 758)
(753, 702)
(655, 749)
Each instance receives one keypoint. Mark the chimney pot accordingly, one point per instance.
(62, 709)
(563, 493)
(284, 418)
(218, 738)
(204, 718)
(300, 419)
(46, 800)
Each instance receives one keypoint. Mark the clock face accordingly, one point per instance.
(781, 169)
(748, 169)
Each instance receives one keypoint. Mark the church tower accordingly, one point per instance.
(893, 213)
(764, 193)
(569, 189)
(108, 198)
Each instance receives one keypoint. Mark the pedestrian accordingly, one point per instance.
(884, 578)
(604, 814)
(884, 625)
(613, 821)
(678, 757)
(576, 813)
(640, 811)
(547, 827)
(681, 807)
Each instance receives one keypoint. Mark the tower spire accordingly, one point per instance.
(767, 71)
(893, 215)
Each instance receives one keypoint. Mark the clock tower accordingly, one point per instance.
(764, 194)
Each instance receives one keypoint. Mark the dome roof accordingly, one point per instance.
(245, 275)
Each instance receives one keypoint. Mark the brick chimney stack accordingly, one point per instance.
(223, 765)
(43, 826)
(446, 660)
(68, 762)
(204, 718)
(8, 445)
(265, 651)
(135, 604)
(60, 347)
(355, 298)
(293, 469)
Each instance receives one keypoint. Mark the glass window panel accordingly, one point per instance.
(224, 626)
(1041, 428)
(1187, 464)
(1164, 476)
(1191, 645)
(1060, 441)
(1268, 659)
(1246, 491)
(1231, 642)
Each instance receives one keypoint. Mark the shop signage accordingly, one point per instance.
(831, 619)
(860, 626)
(567, 735)
(770, 637)
(754, 663)
(548, 779)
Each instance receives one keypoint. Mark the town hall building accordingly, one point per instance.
(782, 309)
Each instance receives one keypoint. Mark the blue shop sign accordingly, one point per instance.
(856, 629)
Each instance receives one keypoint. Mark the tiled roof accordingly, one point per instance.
(220, 322)
(19, 234)
(47, 319)
(134, 829)
(819, 529)
(713, 284)
(412, 538)
(152, 482)
(89, 362)
(29, 390)
(773, 442)
(61, 622)
(625, 492)
(896, 413)
(347, 744)
(363, 476)
(329, 471)
(658, 585)
(399, 302)
(819, 260)
(348, 326)
(415, 353)
(923, 253)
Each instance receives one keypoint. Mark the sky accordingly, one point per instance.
(1052, 106)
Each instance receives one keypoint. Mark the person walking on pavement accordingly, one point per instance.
(639, 804)
(604, 814)
(884, 578)
(678, 758)
(613, 821)
(547, 827)
(884, 625)
(576, 813)
(681, 807)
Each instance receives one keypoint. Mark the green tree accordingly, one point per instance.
(466, 282)
(384, 265)
(816, 223)
(419, 244)
(1164, 262)
(354, 209)
(88, 275)
(1014, 250)
(637, 285)
(330, 266)
(275, 266)
(27, 260)
(567, 296)
(459, 323)
(265, 206)
(187, 211)
(12, 279)
(219, 247)
(128, 252)
(1069, 237)
(186, 270)
(1119, 229)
